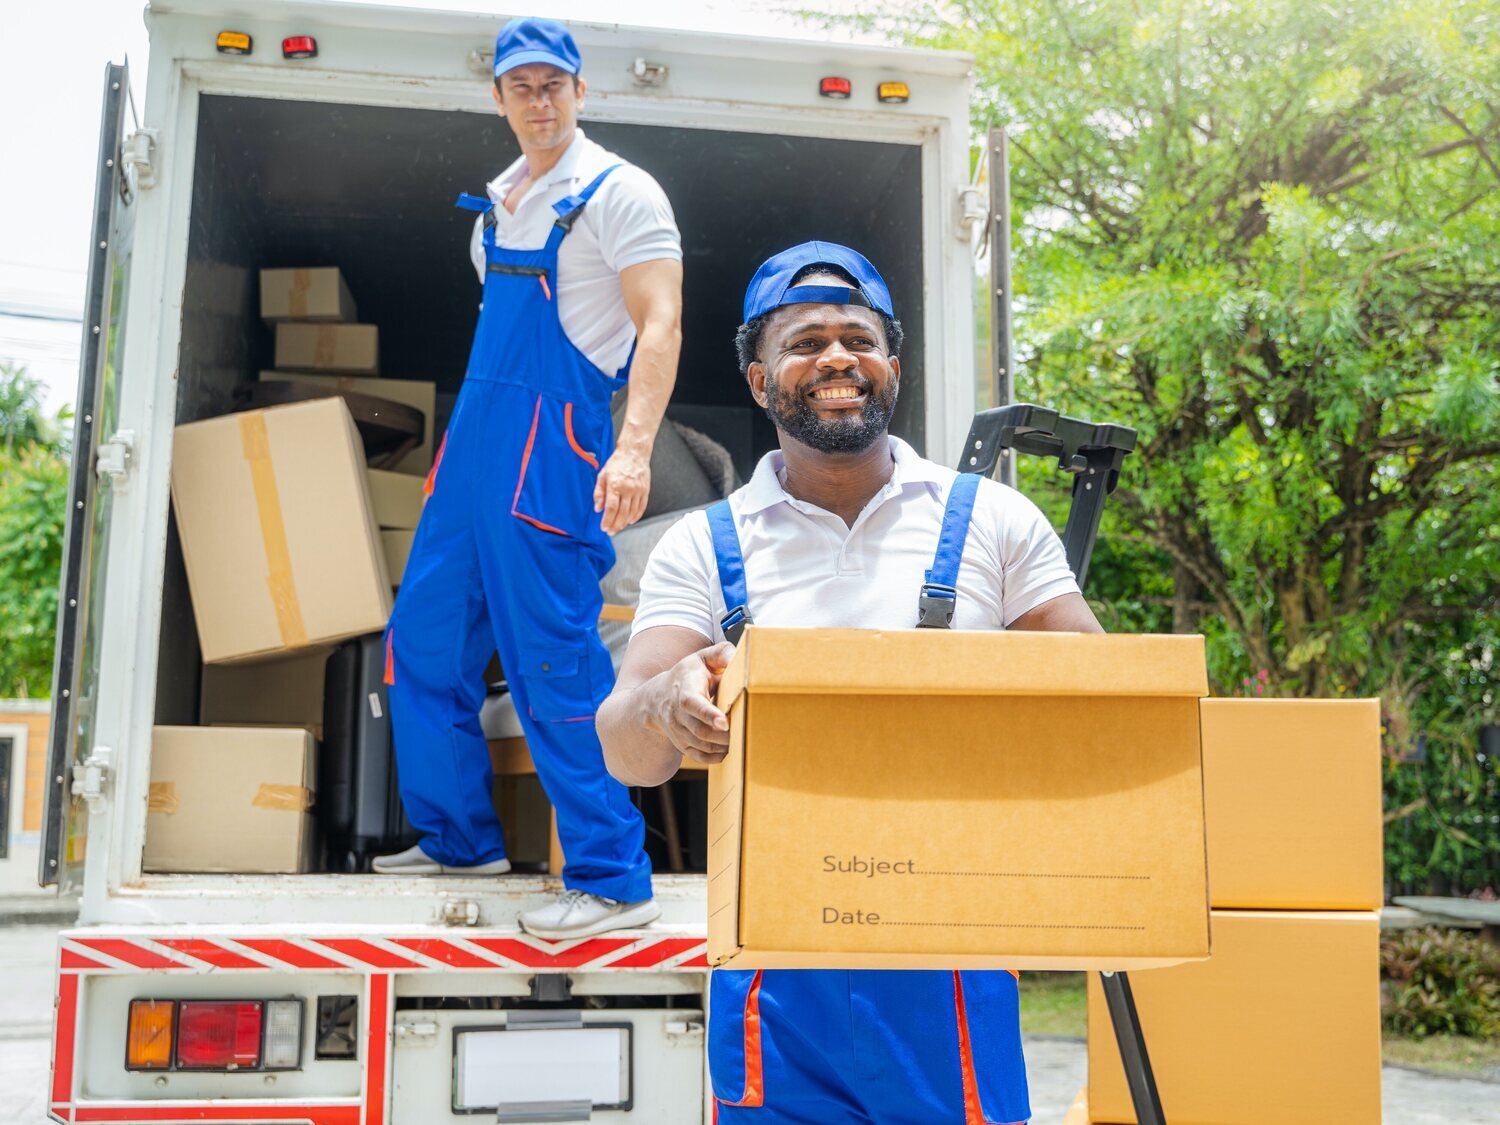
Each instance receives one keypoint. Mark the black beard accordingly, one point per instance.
(792, 415)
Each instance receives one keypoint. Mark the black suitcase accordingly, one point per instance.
(359, 802)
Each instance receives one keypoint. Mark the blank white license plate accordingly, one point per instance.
(494, 1067)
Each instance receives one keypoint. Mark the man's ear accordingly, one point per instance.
(583, 88)
(896, 370)
(755, 375)
(499, 103)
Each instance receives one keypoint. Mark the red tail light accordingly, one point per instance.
(299, 47)
(835, 87)
(218, 1034)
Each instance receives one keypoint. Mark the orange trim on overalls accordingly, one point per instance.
(436, 464)
(973, 1111)
(390, 658)
(755, 1092)
(573, 441)
(536, 416)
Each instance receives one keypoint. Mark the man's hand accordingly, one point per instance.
(681, 707)
(623, 487)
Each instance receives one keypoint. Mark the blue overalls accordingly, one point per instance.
(866, 1046)
(508, 556)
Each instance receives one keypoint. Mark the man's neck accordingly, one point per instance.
(841, 483)
(540, 161)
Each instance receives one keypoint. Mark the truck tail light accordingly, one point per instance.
(219, 1034)
(149, 1037)
(233, 43)
(299, 47)
(835, 87)
(283, 1034)
(893, 93)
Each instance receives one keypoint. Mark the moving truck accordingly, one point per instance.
(342, 138)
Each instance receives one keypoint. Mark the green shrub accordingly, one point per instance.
(1438, 981)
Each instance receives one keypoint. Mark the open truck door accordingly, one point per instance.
(77, 769)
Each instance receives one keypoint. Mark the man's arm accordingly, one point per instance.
(1067, 613)
(662, 708)
(653, 297)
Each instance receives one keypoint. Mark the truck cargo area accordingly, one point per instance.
(370, 189)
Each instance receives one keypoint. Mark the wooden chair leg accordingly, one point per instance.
(669, 827)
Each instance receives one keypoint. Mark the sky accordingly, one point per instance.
(52, 59)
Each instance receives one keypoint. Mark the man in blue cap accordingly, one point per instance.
(843, 526)
(581, 264)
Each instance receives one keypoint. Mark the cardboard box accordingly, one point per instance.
(1283, 1025)
(230, 799)
(397, 545)
(282, 693)
(327, 347)
(306, 294)
(937, 799)
(409, 392)
(1078, 1112)
(396, 499)
(281, 548)
(1292, 789)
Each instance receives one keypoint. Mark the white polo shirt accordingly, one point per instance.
(628, 221)
(805, 567)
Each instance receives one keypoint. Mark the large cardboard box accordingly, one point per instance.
(283, 693)
(408, 392)
(281, 548)
(306, 294)
(1282, 1024)
(937, 799)
(327, 347)
(396, 499)
(397, 545)
(1292, 789)
(230, 799)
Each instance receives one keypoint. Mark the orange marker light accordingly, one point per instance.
(149, 1039)
(233, 43)
(893, 92)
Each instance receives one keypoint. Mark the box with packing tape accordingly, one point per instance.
(286, 692)
(1282, 1024)
(1293, 793)
(327, 347)
(230, 799)
(306, 294)
(409, 392)
(278, 539)
(937, 799)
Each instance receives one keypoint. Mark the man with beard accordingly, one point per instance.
(843, 526)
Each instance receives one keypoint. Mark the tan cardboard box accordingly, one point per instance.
(397, 546)
(408, 392)
(327, 347)
(306, 294)
(283, 693)
(281, 548)
(227, 799)
(1283, 1025)
(936, 799)
(1078, 1112)
(1292, 788)
(396, 498)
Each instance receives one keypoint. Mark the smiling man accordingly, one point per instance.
(839, 528)
(581, 265)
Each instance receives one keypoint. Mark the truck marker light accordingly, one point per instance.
(219, 1034)
(149, 1035)
(283, 1034)
(233, 43)
(299, 47)
(835, 87)
(893, 93)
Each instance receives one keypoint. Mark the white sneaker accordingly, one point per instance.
(414, 861)
(579, 914)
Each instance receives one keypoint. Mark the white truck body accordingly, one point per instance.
(422, 955)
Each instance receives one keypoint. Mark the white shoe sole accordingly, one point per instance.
(496, 867)
(642, 914)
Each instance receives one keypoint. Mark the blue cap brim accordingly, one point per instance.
(526, 58)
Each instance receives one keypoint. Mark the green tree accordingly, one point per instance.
(1268, 236)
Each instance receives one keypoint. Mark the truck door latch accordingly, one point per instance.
(460, 912)
(648, 73)
(138, 154)
(91, 777)
(112, 458)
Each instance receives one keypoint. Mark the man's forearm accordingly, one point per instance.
(653, 373)
(635, 750)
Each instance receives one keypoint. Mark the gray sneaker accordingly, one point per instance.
(578, 914)
(414, 861)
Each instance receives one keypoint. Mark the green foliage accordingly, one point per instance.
(1437, 982)
(1268, 237)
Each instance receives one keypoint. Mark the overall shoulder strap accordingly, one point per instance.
(570, 207)
(939, 594)
(731, 564)
(485, 207)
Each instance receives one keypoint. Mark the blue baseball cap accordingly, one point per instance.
(772, 287)
(524, 41)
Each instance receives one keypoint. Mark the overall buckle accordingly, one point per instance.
(935, 606)
(733, 623)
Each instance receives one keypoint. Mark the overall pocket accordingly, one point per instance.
(559, 468)
(558, 686)
(735, 1066)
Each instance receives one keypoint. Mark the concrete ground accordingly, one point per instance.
(1055, 1066)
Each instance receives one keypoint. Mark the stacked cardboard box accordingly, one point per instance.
(397, 502)
(1283, 1023)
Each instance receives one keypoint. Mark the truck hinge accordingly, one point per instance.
(644, 73)
(459, 912)
(91, 776)
(138, 155)
(972, 212)
(113, 458)
(414, 1031)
